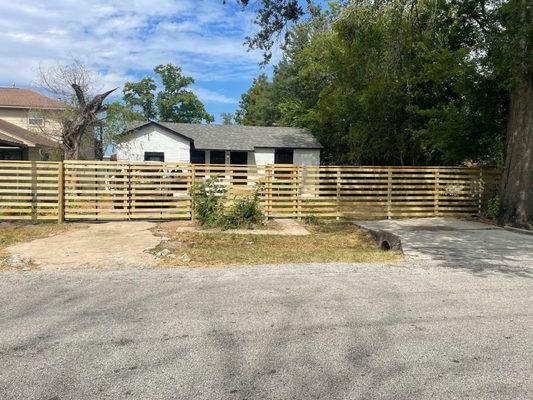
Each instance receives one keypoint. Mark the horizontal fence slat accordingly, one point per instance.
(104, 190)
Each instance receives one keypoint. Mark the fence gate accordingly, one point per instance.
(116, 191)
(98, 190)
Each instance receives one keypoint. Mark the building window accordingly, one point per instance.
(283, 156)
(154, 156)
(35, 119)
(239, 157)
(197, 156)
(218, 157)
(9, 154)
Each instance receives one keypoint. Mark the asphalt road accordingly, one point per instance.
(290, 332)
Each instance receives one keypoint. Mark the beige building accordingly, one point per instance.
(29, 126)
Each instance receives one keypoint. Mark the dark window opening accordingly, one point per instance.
(217, 157)
(239, 157)
(9, 154)
(239, 175)
(197, 156)
(283, 156)
(154, 156)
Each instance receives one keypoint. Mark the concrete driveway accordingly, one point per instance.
(288, 332)
(460, 244)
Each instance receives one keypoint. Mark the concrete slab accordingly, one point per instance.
(107, 245)
(459, 243)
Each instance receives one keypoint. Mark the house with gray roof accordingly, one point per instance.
(218, 144)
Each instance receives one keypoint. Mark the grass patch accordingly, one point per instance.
(17, 232)
(328, 242)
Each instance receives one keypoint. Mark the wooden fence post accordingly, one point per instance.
(192, 175)
(130, 193)
(338, 194)
(34, 188)
(269, 171)
(436, 193)
(299, 183)
(60, 192)
(389, 193)
(481, 190)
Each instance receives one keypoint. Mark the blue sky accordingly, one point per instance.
(123, 40)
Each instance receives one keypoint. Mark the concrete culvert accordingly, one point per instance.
(385, 246)
(386, 240)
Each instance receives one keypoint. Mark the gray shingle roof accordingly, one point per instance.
(241, 137)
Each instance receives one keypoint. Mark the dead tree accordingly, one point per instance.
(74, 84)
(81, 120)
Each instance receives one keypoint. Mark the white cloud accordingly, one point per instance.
(215, 97)
(127, 38)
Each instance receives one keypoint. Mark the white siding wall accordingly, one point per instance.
(151, 139)
(304, 157)
(263, 157)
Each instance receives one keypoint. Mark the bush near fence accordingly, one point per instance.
(99, 190)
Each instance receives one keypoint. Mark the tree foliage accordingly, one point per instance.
(255, 107)
(395, 82)
(174, 103)
(273, 18)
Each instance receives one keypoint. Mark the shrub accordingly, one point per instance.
(244, 211)
(493, 207)
(311, 220)
(207, 200)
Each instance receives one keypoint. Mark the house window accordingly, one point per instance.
(218, 157)
(197, 156)
(35, 119)
(239, 157)
(283, 156)
(9, 154)
(154, 156)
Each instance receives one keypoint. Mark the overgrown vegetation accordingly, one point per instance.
(391, 83)
(329, 241)
(493, 207)
(209, 199)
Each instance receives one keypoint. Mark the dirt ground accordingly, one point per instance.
(279, 227)
(129, 244)
(106, 245)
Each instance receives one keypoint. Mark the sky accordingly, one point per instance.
(124, 40)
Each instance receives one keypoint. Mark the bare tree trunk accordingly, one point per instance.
(74, 127)
(517, 180)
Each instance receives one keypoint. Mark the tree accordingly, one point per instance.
(255, 107)
(431, 82)
(174, 103)
(516, 53)
(227, 118)
(116, 120)
(73, 83)
(273, 17)
(140, 96)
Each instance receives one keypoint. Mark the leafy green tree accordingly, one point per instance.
(174, 103)
(140, 96)
(412, 82)
(255, 107)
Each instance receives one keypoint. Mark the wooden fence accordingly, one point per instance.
(98, 190)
